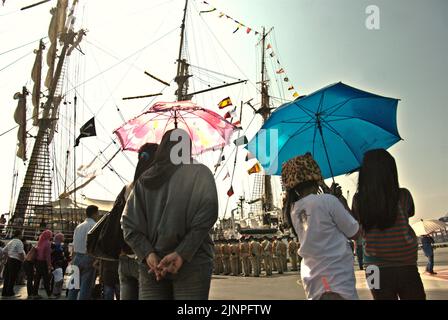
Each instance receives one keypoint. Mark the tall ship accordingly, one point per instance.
(49, 189)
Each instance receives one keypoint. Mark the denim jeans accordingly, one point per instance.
(128, 270)
(430, 265)
(87, 277)
(192, 282)
(109, 292)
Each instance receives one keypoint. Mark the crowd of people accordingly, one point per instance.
(42, 264)
(159, 246)
(250, 256)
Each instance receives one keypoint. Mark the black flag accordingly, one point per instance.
(87, 130)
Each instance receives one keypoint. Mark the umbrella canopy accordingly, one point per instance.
(207, 129)
(336, 124)
(424, 227)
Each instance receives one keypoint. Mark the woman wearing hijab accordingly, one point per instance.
(167, 221)
(43, 263)
(128, 264)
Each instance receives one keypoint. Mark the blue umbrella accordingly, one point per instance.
(337, 124)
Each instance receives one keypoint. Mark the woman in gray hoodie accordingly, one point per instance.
(167, 221)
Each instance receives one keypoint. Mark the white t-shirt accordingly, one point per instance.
(323, 227)
(80, 235)
(14, 249)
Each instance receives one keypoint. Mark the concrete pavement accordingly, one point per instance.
(287, 286)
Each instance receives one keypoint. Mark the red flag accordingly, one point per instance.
(269, 46)
(230, 192)
(227, 115)
(237, 124)
(281, 70)
(248, 30)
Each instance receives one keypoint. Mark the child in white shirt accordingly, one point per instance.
(323, 226)
(58, 278)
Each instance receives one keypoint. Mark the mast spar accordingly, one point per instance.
(265, 112)
(182, 65)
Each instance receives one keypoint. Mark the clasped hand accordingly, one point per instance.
(171, 263)
(336, 190)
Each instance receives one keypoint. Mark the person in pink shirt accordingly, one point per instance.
(43, 263)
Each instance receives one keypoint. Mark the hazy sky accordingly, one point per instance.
(318, 41)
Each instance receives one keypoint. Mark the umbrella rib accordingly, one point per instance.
(373, 124)
(332, 129)
(319, 108)
(298, 122)
(144, 124)
(340, 106)
(341, 118)
(310, 114)
(191, 133)
(299, 131)
(314, 137)
(166, 124)
(337, 106)
(189, 130)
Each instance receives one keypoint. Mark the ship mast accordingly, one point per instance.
(33, 207)
(265, 112)
(182, 65)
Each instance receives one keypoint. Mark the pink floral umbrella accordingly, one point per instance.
(207, 129)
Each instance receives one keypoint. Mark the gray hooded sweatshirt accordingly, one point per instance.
(176, 217)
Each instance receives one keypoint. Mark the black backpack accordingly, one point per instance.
(105, 240)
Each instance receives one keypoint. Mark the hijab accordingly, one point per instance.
(163, 168)
(146, 155)
(44, 237)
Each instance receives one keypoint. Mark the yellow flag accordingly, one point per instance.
(255, 169)
(225, 103)
(295, 95)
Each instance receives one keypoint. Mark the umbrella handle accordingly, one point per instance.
(175, 119)
(325, 148)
